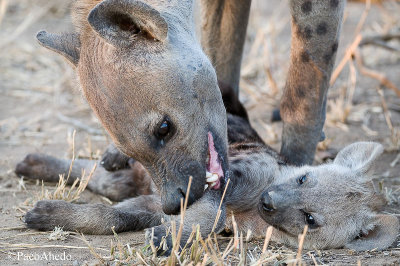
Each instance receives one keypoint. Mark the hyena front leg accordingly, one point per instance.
(130, 215)
(224, 24)
(116, 186)
(315, 35)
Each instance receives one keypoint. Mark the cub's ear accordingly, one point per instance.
(66, 44)
(120, 22)
(383, 234)
(359, 156)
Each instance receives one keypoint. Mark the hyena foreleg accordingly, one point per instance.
(130, 215)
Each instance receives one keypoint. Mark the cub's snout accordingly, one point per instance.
(266, 203)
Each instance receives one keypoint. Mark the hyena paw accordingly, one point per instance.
(161, 240)
(48, 214)
(34, 166)
(113, 159)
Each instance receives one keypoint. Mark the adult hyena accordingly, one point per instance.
(146, 77)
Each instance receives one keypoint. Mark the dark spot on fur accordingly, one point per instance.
(308, 32)
(306, 109)
(300, 92)
(281, 162)
(236, 161)
(306, 7)
(327, 58)
(334, 3)
(287, 103)
(322, 28)
(335, 47)
(305, 57)
(353, 195)
(237, 173)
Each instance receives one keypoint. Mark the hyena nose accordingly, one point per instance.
(267, 203)
(171, 200)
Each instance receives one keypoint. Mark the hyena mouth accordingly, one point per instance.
(214, 171)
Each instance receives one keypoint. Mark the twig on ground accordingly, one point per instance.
(3, 9)
(346, 57)
(374, 74)
(380, 40)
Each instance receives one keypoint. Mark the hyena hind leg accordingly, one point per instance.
(131, 215)
(48, 168)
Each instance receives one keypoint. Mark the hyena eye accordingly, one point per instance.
(163, 129)
(310, 220)
(302, 179)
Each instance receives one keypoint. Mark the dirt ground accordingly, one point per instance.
(41, 105)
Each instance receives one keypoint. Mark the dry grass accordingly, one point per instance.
(62, 191)
(199, 250)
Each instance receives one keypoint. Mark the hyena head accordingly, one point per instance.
(337, 201)
(154, 90)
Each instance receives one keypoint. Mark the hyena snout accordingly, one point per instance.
(175, 187)
(172, 197)
(273, 201)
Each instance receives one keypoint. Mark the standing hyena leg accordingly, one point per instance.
(224, 24)
(116, 185)
(130, 215)
(315, 35)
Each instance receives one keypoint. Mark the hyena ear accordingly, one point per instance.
(120, 22)
(385, 229)
(359, 156)
(66, 44)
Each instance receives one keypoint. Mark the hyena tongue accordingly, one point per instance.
(214, 168)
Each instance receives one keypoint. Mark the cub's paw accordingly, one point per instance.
(113, 159)
(48, 214)
(161, 240)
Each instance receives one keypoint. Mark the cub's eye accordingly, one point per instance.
(163, 129)
(310, 219)
(302, 179)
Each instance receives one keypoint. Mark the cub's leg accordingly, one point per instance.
(130, 215)
(117, 185)
(315, 35)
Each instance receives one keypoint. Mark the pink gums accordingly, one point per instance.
(214, 165)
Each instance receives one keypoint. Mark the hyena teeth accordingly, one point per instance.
(208, 174)
(205, 186)
(213, 184)
(213, 178)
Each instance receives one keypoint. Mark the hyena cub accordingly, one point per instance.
(336, 200)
